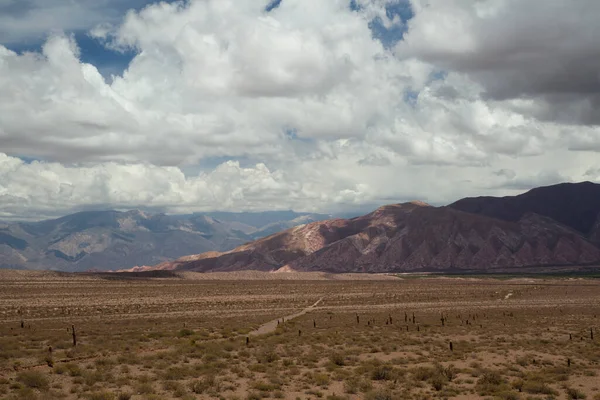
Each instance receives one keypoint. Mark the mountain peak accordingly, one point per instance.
(415, 236)
(419, 203)
(401, 206)
(111, 240)
(575, 205)
(554, 225)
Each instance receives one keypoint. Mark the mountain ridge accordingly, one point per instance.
(556, 225)
(105, 240)
(572, 204)
(415, 237)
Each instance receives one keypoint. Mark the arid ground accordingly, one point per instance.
(212, 337)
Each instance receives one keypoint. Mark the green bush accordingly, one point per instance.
(437, 382)
(144, 388)
(490, 378)
(422, 373)
(100, 396)
(575, 394)
(378, 395)
(320, 379)
(33, 379)
(185, 332)
(268, 357)
(537, 387)
(338, 359)
(382, 373)
(200, 386)
(450, 372)
(264, 386)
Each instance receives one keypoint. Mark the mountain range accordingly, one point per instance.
(554, 226)
(109, 240)
(547, 227)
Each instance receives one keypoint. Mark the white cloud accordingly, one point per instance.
(541, 49)
(47, 189)
(31, 20)
(325, 114)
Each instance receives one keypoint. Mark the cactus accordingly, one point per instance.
(74, 335)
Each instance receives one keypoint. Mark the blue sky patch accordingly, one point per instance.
(292, 134)
(354, 6)
(108, 62)
(272, 5)
(411, 97)
(92, 51)
(401, 11)
(28, 160)
(438, 75)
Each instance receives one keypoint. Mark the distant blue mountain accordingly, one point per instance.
(110, 240)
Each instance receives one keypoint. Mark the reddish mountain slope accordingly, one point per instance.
(408, 237)
(576, 205)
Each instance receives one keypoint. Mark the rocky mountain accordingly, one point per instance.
(486, 234)
(108, 240)
(576, 205)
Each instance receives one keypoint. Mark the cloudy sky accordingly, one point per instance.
(309, 105)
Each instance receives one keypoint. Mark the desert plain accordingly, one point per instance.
(232, 336)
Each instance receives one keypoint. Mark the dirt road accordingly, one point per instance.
(270, 326)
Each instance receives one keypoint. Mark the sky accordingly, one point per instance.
(311, 105)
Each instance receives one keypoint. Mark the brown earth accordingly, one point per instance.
(176, 338)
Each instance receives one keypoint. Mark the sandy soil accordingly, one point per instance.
(169, 338)
(284, 276)
(271, 326)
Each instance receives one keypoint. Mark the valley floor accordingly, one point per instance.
(211, 337)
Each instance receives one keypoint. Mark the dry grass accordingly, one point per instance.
(186, 338)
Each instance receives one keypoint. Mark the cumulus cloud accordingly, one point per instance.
(543, 178)
(538, 49)
(31, 20)
(49, 189)
(323, 112)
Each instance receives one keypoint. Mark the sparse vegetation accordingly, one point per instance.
(185, 339)
(33, 379)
